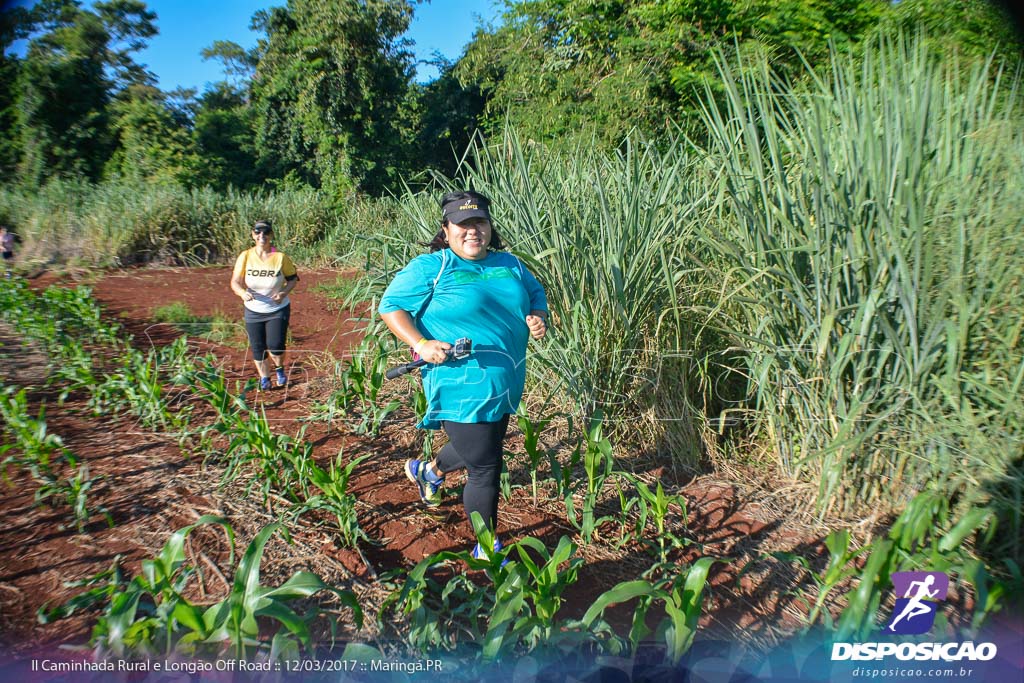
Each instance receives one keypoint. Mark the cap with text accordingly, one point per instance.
(459, 210)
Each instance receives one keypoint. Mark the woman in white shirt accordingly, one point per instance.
(262, 278)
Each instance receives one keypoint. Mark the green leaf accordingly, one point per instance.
(622, 592)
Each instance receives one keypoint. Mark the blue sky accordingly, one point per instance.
(187, 26)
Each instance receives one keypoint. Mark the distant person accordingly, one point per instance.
(467, 287)
(7, 239)
(262, 278)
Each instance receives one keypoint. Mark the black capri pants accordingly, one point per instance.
(268, 332)
(477, 448)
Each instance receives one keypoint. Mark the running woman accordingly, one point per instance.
(262, 279)
(467, 287)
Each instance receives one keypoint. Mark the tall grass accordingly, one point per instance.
(871, 226)
(607, 236)
(113, 224)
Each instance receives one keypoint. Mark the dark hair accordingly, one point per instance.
(264, 225)
(438, 242)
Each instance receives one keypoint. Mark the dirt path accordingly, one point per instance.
(150, 488)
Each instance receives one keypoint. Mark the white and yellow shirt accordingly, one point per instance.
(264, 277)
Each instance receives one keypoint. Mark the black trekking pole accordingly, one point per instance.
(462, 348)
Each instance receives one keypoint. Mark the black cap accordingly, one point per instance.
(471, 205)
(263, 226)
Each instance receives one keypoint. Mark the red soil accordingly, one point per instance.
(150, 489)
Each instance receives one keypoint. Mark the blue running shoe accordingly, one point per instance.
(430, 492)
(479, 554)
(264, 383)
(282, 378)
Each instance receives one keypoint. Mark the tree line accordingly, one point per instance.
(327, 98)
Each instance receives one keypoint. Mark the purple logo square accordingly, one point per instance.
(936, 583)
(909, 620)
(917, 600)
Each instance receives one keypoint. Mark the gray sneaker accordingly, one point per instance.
(430, 493)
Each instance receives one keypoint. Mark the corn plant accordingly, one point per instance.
(924, 537)
(419, 409)
(61, 321)
(361, 378)
(179, 363)
(562, 476)
(335, 498)
(226, 404)
(58, 317)
(505, 482)
(653, 506)
(516, 613)
(80, 314)
(280, 460)
(283, 463)
(339, 404)
(681, 597)
(598, 464)
(365, 377)
(105, 395)
(73, 491)
(221, 399)
(149, 615)
(136, 385)
(234, 619)
(39, 450)
(531, 444)
(74, 371)
(543, 584)
(140, 385)
(102, 588)
(439, 616)
(65, 321)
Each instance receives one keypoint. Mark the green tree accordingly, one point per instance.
(15, 24)
(330, 79)
(239, 64)
(561, 68)
(444, 114)
(152, 141)
(554, 70)
(224, 138)
(680, 38)
(75, 61)
(971, 27)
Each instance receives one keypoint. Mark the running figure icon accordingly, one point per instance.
(915, 606)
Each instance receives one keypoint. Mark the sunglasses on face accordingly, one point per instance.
(263, 232)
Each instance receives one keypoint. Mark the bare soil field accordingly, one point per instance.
(150, 487)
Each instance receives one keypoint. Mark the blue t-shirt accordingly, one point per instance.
(486, 301)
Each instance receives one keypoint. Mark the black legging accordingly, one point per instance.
(477, 448)
(268, 335)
